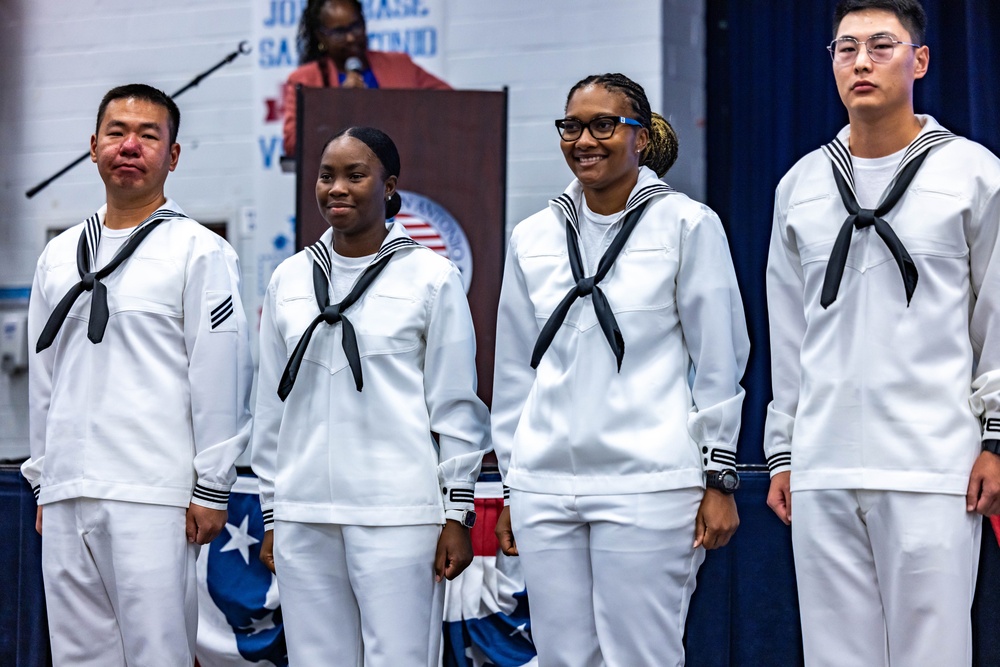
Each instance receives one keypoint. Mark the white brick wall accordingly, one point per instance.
(59, 57)
(67, 55)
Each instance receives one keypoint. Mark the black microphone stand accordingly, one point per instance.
(242, 49)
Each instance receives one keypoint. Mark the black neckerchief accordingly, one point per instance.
(332, 314)
(859, 218)
(584, 285)
(86, 257)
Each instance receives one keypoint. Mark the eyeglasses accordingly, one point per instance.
(602, 127)
(844, 50)
(355, 28)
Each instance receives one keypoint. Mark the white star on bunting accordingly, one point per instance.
(240, 538)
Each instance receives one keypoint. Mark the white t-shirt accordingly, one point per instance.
(344, 271)
(596, 236)
(872, 176)
(111, 242)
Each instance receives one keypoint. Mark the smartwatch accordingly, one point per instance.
(465, 517)
(726, 480)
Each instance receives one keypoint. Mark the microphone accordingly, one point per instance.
(354, 64)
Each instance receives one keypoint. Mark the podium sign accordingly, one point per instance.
(453, 155)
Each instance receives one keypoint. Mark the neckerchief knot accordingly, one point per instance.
(331, 314)
(585, 286)
(864, 218)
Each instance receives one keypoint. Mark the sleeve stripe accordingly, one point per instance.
(211, 495)
(723, 456)
(462, 496)
(778, 460)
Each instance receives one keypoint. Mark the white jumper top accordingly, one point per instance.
(579, 426)
(162, 403)
(870, 393)
(332, 454)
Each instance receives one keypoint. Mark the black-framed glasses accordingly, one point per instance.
(602, 127)
(355, 28)
(844, 50)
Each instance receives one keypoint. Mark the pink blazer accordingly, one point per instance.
(391, 70)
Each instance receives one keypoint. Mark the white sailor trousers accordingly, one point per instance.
(359, 595)
(885, 577)
(609, 578)
(120, 584)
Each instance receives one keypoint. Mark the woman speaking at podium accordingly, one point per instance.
(333, 51)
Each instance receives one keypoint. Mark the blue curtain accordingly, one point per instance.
(24, 634)
(771, 99)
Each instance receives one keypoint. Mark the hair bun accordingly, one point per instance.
(661, 151)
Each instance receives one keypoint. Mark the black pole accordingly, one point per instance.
(242, 49)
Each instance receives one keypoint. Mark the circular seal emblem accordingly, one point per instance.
(430, 224)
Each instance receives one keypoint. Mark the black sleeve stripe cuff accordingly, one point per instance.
(506, 492)
(992, 425)
(723, 457)
(36, 490)
(211, 495)
(464, 496)
(778, 460)
(268, 517)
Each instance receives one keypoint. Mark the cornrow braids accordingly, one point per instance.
(620, 83)
(661, 151)
(309, 46)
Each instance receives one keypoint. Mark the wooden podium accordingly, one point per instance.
(453, 155)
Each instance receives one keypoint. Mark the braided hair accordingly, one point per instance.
(382, 145)
(310, 47)
(661, 151)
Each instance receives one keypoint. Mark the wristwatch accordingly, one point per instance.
(726, 480)
(465, 517)
(992, 446)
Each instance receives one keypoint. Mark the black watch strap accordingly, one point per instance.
(992, 446)
(726, 480)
